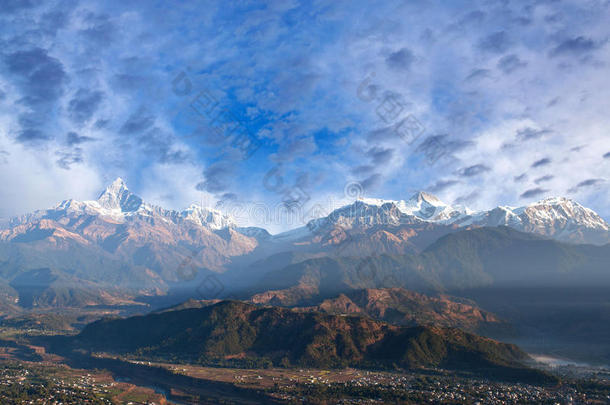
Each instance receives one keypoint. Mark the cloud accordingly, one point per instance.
(4, 156)
(520, 177)
(380, 156)
(72, 138)
(607, 155)
(541, 162)
(478, 74)
(543, 179)
(467, 199)
(441, 185)
(294, 148)
(586, 184)
(525, 81)
(68, 158)
(84, 104)
(474, 170)
(498, 42)
(138, 122)
(159, 145)
(40, 79)
(41, 76)
(218, 177)
(371, 182)
(534, 192)
(435, 147)
(510, 63)
(363, 169)
(32, 136)
(574, 47)
(401, 59)
(526, 134)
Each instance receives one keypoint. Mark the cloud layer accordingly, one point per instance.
(482, 102)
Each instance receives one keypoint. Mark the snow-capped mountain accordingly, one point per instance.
(117, 203)
(121, 247)
(558, 218)
(426, 207)
(120, 231)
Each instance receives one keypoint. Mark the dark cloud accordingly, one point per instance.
(553, 102)
(589, 182)
(498, 42)
(478, 74)
(544, 179)
(158, 145)
(474, 170)
(72, 138)
(388, 133)
(41, 76)
(229, 197)
(32, 136)
(607, 155)
(467, 199)
(521, 177)
(541, 162)
(585, 184)
(534, 192)
(510, 63)
(218, 177)
(380, 156)
(363, 169)
(40, 79)
(436, 146)
(68, 158)
(401, 59)
(574, 47)
(371, 182)
(526, 134)
(441, 185)
(101, 123)
(84, 104)
(138, 122)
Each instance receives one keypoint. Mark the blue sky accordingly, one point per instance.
(480, 102)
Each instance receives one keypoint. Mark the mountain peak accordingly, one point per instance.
(118, 197)
(208, 217)
(422, 196)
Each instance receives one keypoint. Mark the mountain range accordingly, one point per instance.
(118, 248)
(475, 258)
